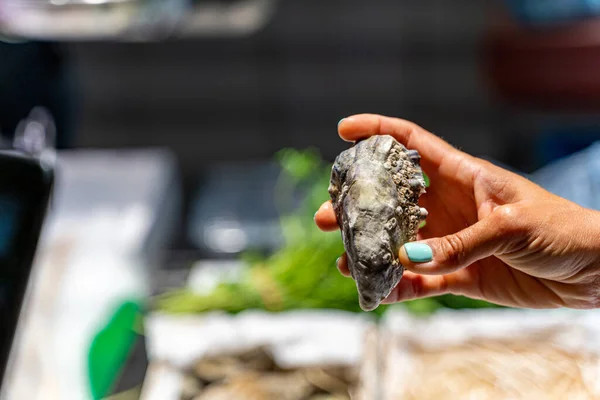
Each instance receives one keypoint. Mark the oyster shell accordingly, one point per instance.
(253, 374)
(219, 367)
(270, 386)
(375, 187)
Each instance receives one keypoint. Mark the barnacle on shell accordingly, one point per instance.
(375, 187)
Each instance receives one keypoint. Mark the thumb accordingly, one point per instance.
(449, 253)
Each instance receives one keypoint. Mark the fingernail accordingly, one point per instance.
(418, 252)
(337, 263)
(341, 121)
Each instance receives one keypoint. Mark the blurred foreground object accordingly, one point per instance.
(117, 359)
(497, 354)
(26, 187)
(68, 20)
(292, 355)
(501, 354)
(112, 214)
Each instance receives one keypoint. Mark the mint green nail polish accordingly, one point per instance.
(418, 252)
(341, 121)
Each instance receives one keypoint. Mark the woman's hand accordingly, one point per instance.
(490, 234)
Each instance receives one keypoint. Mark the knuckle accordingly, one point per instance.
(510, 219)
(453, 250)
(507, 211)
(443, 285)
(416, 289)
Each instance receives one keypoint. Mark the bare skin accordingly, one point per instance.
(494, 235)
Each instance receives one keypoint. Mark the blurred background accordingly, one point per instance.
(195, 135)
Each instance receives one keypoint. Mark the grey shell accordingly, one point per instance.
(375, 187)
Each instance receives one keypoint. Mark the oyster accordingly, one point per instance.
(375, 187)
(269, 386)
(219, 367)
(254, 374)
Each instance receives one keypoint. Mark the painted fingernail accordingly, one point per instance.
(418, 252)
(341, 121)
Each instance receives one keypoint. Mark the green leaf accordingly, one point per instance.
(298, 164)
(111, 347)
(461, 302)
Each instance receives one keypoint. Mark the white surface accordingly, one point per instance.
(451, 327)
(306, 337)
(296, 337)
(206, 275)
(163, 382)
(89, 261)
(577, 331)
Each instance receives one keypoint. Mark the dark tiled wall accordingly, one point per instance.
(288, 85)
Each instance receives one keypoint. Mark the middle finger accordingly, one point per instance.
(325, 218)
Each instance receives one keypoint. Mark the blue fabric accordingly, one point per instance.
(549, 11)
(576, 177)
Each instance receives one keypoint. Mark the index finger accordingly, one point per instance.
(431, 148)
(325, 217)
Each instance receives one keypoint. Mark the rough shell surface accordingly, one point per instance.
(375, 187)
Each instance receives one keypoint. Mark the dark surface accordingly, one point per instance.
(134, 370)
(24, 180)
(232, 99)
(36, 74)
